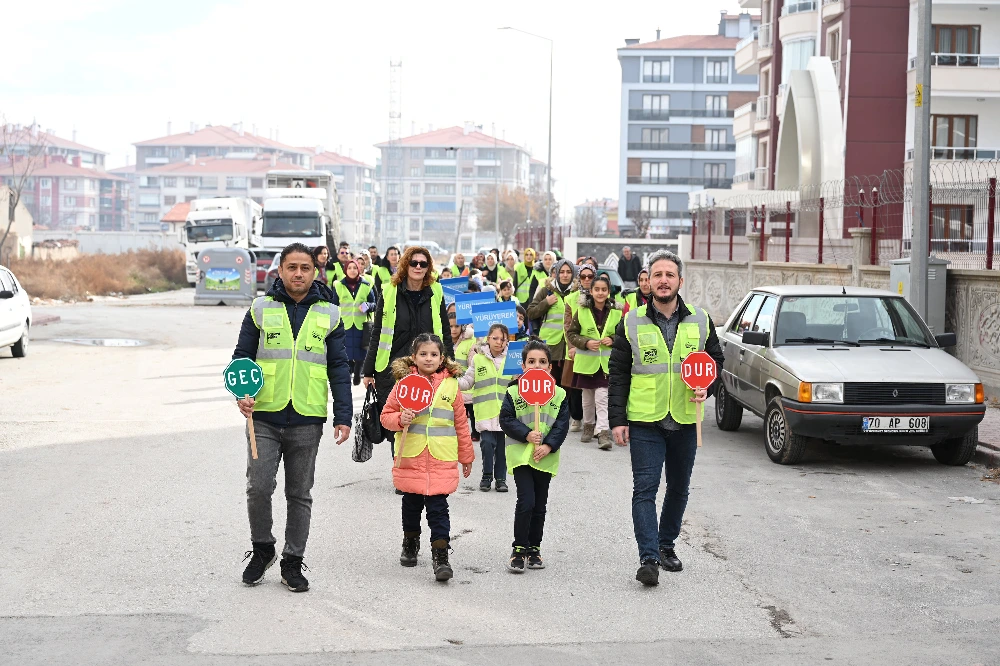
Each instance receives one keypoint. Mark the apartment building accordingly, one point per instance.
(160, 188)
(433, 182)
(200, 148)
(678, 96)
(357, 187)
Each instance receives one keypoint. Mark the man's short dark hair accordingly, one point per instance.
(373, 247)
(344, 244)
(296, 247)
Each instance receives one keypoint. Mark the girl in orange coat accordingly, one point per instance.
(426, 468)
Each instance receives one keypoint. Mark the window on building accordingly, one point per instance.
(717, 71)
(954, 132)
(169, 182)
(438, 170)
(257, 183)
(466, 190)
(715, 139)
(746, 154)
(468, 154)
(69, 201)
(467, 172)
(951, 227)
(414, 225)
(655, 206)
(45, 200)
(148, 217)
(439, 188)
(656, 71)
(392, 206)
(414, 206)
(148, 181)
(191, 181)
(209, 182)
(45, 183)
(149, 200)
(655, 135)
(833, 45)
(956, 39)
(487, 172)
(656, 106)
(416, 153)
(415, 171)
(654, 172)
(485, 189)
(392, 172)
(715, 174)
(368, 187)
(176, 152)
(70, 183)
(415, 189)
(796, 56)
(169, 200)
(390, 224)
(392, 188)
(487, 154)
(192, 197)
(715, 105)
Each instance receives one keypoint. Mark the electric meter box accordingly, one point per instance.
(937, 276)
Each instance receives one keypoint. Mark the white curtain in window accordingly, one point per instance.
(795, 55)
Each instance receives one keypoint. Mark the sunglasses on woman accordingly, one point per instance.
(587, 277)
(416, 263)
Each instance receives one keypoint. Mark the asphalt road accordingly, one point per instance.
(123, 517)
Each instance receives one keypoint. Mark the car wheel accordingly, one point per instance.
(783, 446)
(957, 451)
(20, 348)
(728, 412)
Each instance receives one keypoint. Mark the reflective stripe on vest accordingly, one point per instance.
(657, 389)
(294, 368)
(522, 453)
(389, 292)
(434, 428)
(523, 279)
(350, 306)
(588, 362)
(552, 331)
(462, 350)
(488, 390)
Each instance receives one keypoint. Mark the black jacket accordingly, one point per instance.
(628, 269)
(517, 430)
(620, 367)
(337, 369)
(412, 319)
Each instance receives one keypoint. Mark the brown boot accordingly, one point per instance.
(574, 425)
(588, 432)
(604, 440)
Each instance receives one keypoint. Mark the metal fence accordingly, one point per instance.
(811, 225)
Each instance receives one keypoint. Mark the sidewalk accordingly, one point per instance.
(989, 439)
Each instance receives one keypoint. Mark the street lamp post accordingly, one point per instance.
(548, 164)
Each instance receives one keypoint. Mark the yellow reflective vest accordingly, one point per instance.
(389, 292)
(588, 362)
(294, 368)
(462, 350)
(657, 388)
(350, 306)
(552, 330)
(522, 453)
(488, 389)
(434, 427)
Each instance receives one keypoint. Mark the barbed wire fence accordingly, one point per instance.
(812, 224)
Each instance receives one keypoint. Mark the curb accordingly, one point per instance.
(42, 320)
(987, 454)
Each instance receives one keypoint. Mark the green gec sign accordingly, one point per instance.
(243, 378)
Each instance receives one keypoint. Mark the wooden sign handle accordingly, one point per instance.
(253, 437)
(402, 440)
(698, 426)
(538, 417)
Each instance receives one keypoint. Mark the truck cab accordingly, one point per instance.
(214, 223)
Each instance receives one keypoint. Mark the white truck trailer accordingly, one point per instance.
(219, 222)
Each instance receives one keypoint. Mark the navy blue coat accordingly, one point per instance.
(336, 357)
(356, 346)
(517, 430)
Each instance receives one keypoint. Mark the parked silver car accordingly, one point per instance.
(847, 365)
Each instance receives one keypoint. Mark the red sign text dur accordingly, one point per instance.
(698, 370)
(536, 387)
(415, 392)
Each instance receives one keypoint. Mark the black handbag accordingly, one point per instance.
(367, 428)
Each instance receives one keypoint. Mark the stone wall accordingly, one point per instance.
(972, 311)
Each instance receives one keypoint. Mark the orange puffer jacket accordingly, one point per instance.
(425, 474)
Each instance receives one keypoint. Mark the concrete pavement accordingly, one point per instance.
(121, 502)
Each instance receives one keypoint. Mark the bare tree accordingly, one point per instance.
(587, 222)
(21, 151)
(514, 206)
(641, 219)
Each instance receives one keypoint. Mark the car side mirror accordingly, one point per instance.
(6, 294)
(946, 339)
(756, 338)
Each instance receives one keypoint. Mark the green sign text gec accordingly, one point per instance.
(243, 378)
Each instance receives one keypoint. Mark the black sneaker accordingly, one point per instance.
(649, 573)
(411, 546)
(486, 484)
(399, 492)
(291, 573)
(669, 561)
(501, 486)
(439, 556)
(516, 563)
(261, 558)
(535, 558)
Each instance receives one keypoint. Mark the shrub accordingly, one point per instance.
(134, 272)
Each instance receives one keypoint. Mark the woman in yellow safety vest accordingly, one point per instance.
(541, 270)
(592, 333)
(356, 300)
(487, 382)
(387, 268)
(548, 309)
(463, 340)
(321, 256)
(437, 438)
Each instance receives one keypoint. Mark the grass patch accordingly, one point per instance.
(134, 272)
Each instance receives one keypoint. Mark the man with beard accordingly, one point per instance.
(653, 410)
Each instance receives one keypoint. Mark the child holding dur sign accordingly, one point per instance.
(532, 456)
(437, 439)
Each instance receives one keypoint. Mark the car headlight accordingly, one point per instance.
(960, 393)
(821, 392)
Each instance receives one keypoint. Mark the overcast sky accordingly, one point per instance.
(118, 70)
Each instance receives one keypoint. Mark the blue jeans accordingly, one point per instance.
(494, 449)
(651, 449)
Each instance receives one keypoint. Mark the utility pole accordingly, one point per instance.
(920, 232)
(548, 166)
(496, 186)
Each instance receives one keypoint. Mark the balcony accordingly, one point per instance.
(765, 41)
(961, 75)
(666, 114)
(763, 123)
(760, 178)
(832, 9)
(743, 119)
(745, 60)
(720, 147)
(715, 183)
(744, 180)
(958, 154)
(798, 19)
